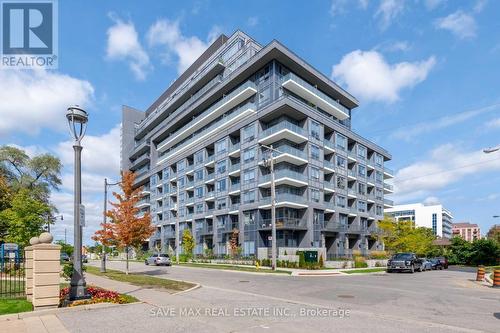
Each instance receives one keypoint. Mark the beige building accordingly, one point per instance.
(468, 231)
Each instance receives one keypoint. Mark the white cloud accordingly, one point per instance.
(366, 74)
(432, 201)
(167, 33)
(459, 23)
(479, 6)
(493, 123)
(433, 4)
(338, 7)
(32, 100)
(446, 164)
(387, 12)
(252, 21)
(123, 44)
(408, 133)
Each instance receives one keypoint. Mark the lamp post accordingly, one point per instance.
(491, 149)
(269, 163)
(103, 251)
(177, 240)
(77, 121)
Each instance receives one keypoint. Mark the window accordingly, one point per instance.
(221, 203)
(249, 155)
(341, 201)
(182, 197)
(181, 165)
(198, 174)
(199, 208)
(315, 130)
(249, 196)
(341, 182)
(315, 195)
(343, 219)
(379, 177)
(181, 182)
(314, 152)
(379, 160)
(361, 206)
(379, 194)
(222, 185)
(379, 210)
(362, 170)
(362, 189)
(248, 218)
(199, 192)
(361, 151)
(341, 141)
(434, 223)
(221, 146)
(315, 173)
(221, 166)
(249, 176)
(165, 173)
(341, 162)
(198, 157)
(249, 133)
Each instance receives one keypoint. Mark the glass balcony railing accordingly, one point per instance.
(282, 173)
(281, 126)
(329, 144)
(285, 149)
(334, 226)
(235, 167)
(388, 202)
(282, 197)
(389, 171)
(388, 187)
(329, 165)
(283, 222)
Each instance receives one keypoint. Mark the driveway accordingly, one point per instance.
(429, 301)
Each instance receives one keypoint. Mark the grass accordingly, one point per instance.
(234, 268)
(142, 280)
(14, 306)
(364, 271)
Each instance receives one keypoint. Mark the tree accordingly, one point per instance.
(403, 236)
(126, 229)
(233, 242)
(38, 174)
(188, 242)
(65, 248)
(5, 198)
(25, 218)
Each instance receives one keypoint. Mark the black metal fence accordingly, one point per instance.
(12, 280)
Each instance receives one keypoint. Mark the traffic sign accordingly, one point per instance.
(82, 215)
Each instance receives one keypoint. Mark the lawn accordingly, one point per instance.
(142, 280)
(364, 271)
(235, 268)
(14, 306)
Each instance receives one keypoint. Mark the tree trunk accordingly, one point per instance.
(126, 253)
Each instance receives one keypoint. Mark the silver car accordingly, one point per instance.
(426, 264)
(158, 260)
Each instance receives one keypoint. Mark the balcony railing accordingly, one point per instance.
(283, 223)
(388, 187)
(281, 126)
(334, 226)
(282, 197)
(282, 173)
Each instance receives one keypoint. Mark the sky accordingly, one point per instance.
(426, 73)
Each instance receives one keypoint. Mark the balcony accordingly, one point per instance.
(284, 177)
(388, 203)
(142, 146)
(288, 154)
(310, 93)
(283, 130)
(334, 226)
(283, 223)
(388, 189)
(225, 104)
(234, 169)
(329, 166)
(143, 203)
(234, 149)
(328, 146)
(351, 174)
(284, 200)
(234, 189)
(330, 206)
(388, 173)
(140, 161)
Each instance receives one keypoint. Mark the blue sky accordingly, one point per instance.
(425, 71)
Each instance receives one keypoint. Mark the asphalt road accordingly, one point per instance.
(430, 301)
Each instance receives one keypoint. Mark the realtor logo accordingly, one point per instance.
(29, 34)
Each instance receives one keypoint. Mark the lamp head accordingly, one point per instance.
(491, 150)
(77, 121)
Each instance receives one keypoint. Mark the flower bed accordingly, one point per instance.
(98, 295)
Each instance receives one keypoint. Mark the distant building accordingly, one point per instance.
(436, 217)
(468, 231)
(494, 232)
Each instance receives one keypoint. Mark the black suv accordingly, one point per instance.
(404, 262)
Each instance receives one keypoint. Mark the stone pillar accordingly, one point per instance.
(46, 273)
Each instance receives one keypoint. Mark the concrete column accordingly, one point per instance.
(46, 273)
(28, 271)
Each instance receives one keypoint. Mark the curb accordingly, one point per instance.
(38, 313)
(311, 274)
(196, 286)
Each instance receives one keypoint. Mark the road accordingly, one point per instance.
(444, 301)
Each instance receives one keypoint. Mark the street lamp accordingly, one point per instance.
(103, 252)
(269, 163)
(77, 122)
(491, 150)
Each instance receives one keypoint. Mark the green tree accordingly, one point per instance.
(403, 236)
(26, 217)
(485, 252)
(188, 242)
(65, 248)
(459, 251)
(5, 198)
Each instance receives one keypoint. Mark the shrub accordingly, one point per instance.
(356, 253)
(360, 262)
(321, 263)
(97, 295)
(378, 255)
(302, 260)
(183, 257)
(67, 270)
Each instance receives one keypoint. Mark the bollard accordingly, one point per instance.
(496, 278)
(480, 273)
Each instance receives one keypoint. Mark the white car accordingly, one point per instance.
(158, 260)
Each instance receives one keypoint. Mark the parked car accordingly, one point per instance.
(65, 257)
(85, 258)
(436, 264)
(405, 261)
(426, 264)
(443, 261)
(158, 260)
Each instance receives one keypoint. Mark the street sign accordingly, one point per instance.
(82, 215)
(10, 247)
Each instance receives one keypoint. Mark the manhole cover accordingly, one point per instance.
(345, 296)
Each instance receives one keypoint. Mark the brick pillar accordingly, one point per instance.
(46, 273)
(28, 272)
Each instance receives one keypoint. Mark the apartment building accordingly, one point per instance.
(436, 217)
(197, 152)
(468, 231)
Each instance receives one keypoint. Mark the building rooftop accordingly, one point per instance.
(465, 225)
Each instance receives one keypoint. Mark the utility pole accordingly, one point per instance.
(270, 163)
(65, 241)
(103, 250)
